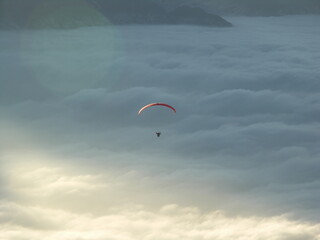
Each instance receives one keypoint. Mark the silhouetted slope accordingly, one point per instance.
(195, 15)
(48, 14)
(20, 14)
(151, 12)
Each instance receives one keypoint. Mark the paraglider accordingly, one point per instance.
(156, 104)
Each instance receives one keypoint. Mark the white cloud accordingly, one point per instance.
(136, 222)
(244, 140)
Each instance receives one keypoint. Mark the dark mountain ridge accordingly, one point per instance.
(34, 14)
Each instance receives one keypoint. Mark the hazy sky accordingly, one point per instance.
(239, 159)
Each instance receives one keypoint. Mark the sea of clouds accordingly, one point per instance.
(239, 159)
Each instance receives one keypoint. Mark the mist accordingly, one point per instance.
(238, 160)
(253, 7)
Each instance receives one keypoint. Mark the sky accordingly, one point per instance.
(239, 160)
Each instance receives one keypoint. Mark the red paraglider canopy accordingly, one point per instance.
(156, 104)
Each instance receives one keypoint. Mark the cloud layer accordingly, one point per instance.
(58, 207)
(239, 159)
